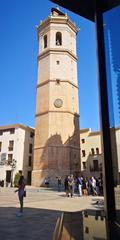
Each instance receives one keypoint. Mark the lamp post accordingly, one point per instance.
(13, 166)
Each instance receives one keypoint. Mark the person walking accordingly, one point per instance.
(46, 181)
(21, 193)
(71, 185)
(85, 186)
(94, 186)
(66, 186)
(79, 184)
(59, 184)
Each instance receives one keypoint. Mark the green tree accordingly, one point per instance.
(16, 179)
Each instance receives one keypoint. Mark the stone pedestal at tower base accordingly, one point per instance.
(38, 177)
(54, 161)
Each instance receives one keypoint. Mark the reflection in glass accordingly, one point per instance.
(112, 48)
(84, 225)
(112, 54)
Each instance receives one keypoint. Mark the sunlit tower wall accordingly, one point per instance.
(57, 144)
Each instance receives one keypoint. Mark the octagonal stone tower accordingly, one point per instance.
(57, 146)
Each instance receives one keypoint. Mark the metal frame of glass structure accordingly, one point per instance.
(94, 10)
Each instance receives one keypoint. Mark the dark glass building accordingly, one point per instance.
(106, 15)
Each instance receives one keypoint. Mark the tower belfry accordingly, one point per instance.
(57, 147)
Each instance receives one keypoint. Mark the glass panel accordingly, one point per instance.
(112, 44)
(112, 50)
(84, 225)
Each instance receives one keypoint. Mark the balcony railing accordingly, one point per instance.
(96, 169)
(94, 154)
(8, 162)
(10, 148)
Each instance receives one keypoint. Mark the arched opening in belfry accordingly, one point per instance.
(58, 38)
(45, 41)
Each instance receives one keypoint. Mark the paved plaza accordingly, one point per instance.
(42, 208)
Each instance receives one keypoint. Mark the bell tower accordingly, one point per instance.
(57, 146)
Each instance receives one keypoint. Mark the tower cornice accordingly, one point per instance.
(54, 111)
(56, 50)
(57, 20)
(54, 80)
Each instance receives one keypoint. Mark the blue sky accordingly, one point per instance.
(18, 62)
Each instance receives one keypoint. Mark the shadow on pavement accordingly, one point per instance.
(42, 224)
(33, 225)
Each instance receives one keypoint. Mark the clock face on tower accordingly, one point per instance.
(58, 103)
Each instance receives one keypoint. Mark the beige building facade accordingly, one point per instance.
(91, 153)
(16, 152)
(92, 157)
(115, 141)
(57, 147)
(17, 144)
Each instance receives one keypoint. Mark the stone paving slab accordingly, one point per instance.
(42, 208)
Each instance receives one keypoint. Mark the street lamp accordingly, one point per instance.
(13, 166)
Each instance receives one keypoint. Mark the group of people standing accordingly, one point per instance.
(80, 185)
(83, 186)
